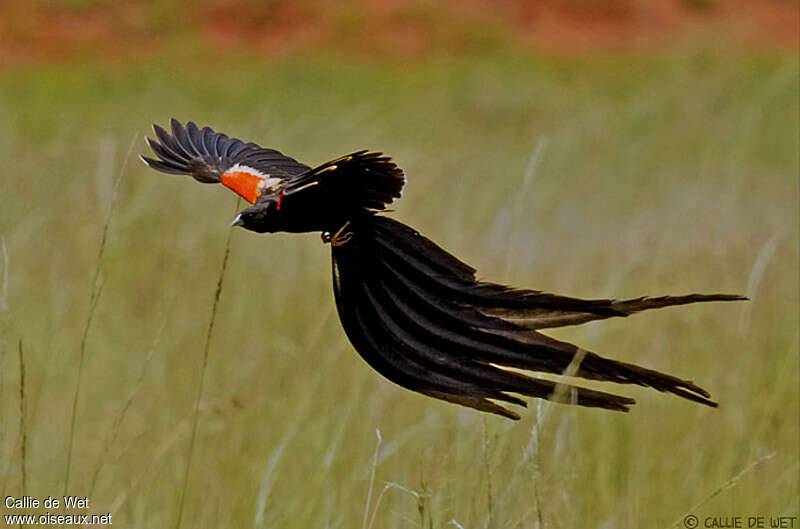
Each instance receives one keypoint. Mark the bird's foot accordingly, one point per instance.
(340, 238)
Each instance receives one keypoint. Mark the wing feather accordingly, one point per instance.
(182, 138)
(196, 139)
(169, 143)
(164, 167)
(206, 155)
(361, 180)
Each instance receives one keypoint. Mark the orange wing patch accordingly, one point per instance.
(246, 185)
(245, 181)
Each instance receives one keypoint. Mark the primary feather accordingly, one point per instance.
(206, 155)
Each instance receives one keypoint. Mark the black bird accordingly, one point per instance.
(413, 311)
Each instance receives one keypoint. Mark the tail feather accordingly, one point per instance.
(433, 328)
(451, 327)
(543, 318)
(391, 338)
(425, 259)
(531, 309)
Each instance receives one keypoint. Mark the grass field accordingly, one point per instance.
(599, 176)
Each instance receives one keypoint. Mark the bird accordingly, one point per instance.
(415, 313)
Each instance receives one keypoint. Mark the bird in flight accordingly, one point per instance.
(413, 311)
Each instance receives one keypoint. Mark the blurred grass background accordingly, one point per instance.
(594, 174)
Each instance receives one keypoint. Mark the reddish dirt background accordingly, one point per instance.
(62, 29)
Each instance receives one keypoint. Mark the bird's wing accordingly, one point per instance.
(418, 316)
(362, 179)
(212, 157)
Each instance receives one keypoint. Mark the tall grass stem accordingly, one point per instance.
(372, 477)
(94, 296)
(4, 286)
(22, 427)
(203, 369)
(725, 486)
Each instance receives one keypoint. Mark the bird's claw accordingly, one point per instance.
(340, 238)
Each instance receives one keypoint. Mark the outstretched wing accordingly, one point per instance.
(420, 317)
(212, 157)
(361, 179)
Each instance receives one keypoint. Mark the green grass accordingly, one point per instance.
(653, 175)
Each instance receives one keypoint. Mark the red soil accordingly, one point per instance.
(32, 33)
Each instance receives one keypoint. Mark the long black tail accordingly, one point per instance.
(419, 316)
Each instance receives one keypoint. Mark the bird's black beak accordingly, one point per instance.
(238, 221)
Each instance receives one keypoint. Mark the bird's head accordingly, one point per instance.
(262, 217)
